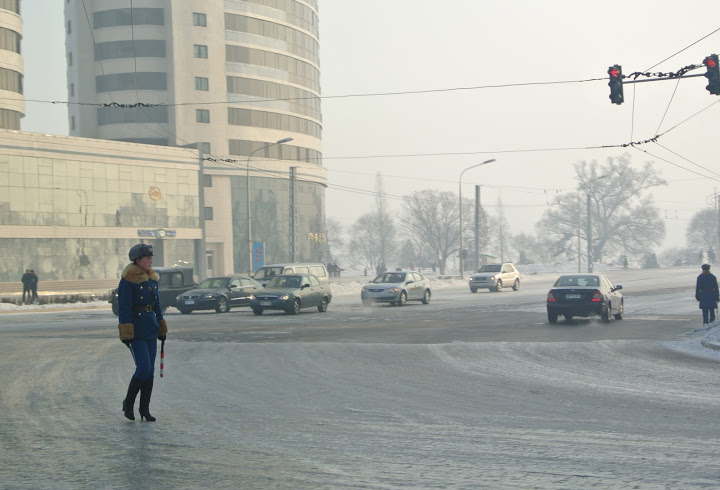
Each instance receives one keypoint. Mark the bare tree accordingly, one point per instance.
(333, 238)
(612, 203)
(702, 231)
(365, 241)
(432, 218)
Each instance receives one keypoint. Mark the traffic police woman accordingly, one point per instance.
(141, 325)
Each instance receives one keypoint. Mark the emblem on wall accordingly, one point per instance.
(155, 193)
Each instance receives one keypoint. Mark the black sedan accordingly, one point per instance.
(219, 294)
(584, 295)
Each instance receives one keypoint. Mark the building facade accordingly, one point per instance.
(230, 78)
(12, 101)
(71, 208)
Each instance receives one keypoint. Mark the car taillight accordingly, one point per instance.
(597, 296)
(550, 296)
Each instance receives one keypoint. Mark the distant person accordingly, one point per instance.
(706, 292)
(141, 325)
(365, 272)
(33, 286)
(27, 290)
(624, 261)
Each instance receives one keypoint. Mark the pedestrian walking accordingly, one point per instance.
(141, 325)
(34, 286)
(27, 290)
(706, 292)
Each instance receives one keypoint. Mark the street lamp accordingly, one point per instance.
(247, 187)
(588, 232)
(462, 259)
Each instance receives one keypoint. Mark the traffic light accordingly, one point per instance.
(616, 84)
(712, 74)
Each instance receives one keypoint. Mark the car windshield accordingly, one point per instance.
(268, 272)
(569, 281)
(390, 277)
(214, 283)
(285, 282)
(490, 268)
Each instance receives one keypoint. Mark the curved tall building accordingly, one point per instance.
(229, 77)
(12, 101)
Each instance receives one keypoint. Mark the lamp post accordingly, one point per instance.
(462, 259)
(588, 232)
(247, 187)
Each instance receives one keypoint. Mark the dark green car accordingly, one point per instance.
(173, 282)
(290, 293)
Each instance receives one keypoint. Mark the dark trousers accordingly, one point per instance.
(26, 290)
(708, 315)
(34, 294)
(144, 352)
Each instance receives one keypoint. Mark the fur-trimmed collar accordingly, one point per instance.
(136, 275)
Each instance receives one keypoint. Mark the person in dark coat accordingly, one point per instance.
(706, 292)
(141, 325)
(33, 285)
(27, 290)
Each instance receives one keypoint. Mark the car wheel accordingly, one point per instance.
(568, 318)
(605, 313)
(116, 309)
(295, 308)
(222, 305)
(552, 317)
(403, 299)
(426, 297)
(366, 303)
(621, 311)
(498, 286)
(258, 311)
(516, 285)
(184, 311)
(322, 307)
(473, 290)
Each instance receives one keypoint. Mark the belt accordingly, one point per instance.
(139, 309)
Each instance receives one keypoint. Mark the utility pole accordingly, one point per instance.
(478, 208)
(293, 213)
(589, 236)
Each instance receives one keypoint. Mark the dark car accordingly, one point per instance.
(290, 293)
(219, 294)
(584, 295)
(173, 281)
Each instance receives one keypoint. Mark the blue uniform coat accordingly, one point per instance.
(706, 291)
(136, 289)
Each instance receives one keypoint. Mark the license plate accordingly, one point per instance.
(265, 303)
(572, 296)
(189, 302)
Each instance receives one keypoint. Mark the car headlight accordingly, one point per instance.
(284, 297)
(251, 296)
(492, 278)
(393, 290)
(364, 290)
(209, 296)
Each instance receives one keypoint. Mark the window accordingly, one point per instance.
(202, 115)
(202, 83)
(131, 81)
(199, 19)
(200, 50)
(142, 48)
(209, 213)
(207, 180)
(203, 146)
(125, 17)
(72, 122)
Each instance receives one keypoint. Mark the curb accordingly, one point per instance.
(710, 345)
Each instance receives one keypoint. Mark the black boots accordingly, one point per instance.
(129, 401)
(145, 394)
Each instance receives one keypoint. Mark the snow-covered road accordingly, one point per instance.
(636, 413)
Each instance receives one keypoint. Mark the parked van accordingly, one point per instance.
(267, 272)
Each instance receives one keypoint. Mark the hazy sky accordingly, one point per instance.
(390, 46)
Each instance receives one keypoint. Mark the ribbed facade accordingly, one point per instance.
(229, 77)
(12, 100)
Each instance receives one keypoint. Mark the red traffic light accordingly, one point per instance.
(613, 71)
